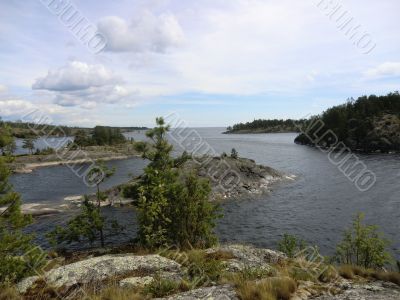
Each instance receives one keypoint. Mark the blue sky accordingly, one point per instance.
(215, 63)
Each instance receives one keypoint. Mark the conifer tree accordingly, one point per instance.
(173, 208)
(17, 255)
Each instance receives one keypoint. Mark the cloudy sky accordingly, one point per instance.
(214, 62)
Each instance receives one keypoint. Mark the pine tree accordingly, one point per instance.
(173, 209)
(234, 153)
(7, 143)
(17, 257)
(29, 144)
(90, 224)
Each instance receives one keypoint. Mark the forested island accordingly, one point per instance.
(369, 124)
(266, 126)
(23, 130)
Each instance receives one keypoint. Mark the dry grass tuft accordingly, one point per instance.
(350, 272)
(116, 293)
(346, 271)
(272, 288)
(8, 292)
(330, 274)
(220, 255)
(387, 276)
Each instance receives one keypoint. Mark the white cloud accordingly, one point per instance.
(13, 107)
(3, 88)
(387, 69)
(84, 85)
(146, 33)
(76, 75)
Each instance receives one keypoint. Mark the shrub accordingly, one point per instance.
(291, 245)
(87, 226)
(363, 245)
(234, 153)
(201, 268)
(161, 287)
(45, 151)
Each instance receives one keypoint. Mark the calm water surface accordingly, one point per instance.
(317, 206)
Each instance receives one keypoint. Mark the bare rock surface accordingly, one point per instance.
(246, 256)
(103, 267)
(133, 282)
(222, 292)
(376, 290)
(234, 177)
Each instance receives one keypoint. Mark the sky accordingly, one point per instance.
(211, 62)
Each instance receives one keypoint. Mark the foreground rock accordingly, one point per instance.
(136, 272)
(245, 256)
(100, 268)
(222, 292)
(366, 291)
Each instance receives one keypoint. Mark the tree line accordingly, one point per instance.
(368, 124)
(100, 136)
(261, 125)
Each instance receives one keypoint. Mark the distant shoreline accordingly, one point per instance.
(258, 131)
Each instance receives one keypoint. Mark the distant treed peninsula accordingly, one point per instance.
(21, 129)
(267, 126)
(369, 124)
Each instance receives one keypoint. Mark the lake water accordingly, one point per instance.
(317, 206)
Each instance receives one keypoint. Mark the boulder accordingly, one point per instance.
(101, 268)
(246, 256)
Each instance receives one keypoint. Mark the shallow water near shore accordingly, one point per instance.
(317, 206)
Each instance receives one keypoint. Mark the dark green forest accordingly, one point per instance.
(368, 124)
(266, 126)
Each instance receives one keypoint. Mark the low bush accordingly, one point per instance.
(291, 245)
(363, 245)
(161, 287)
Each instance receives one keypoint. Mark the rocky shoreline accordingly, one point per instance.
(135, 272)
(251, 179)
(27, 163)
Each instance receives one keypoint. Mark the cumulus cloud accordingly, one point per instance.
(146, 33)
(84, 85)
(75, 75)
(387, 69)
(12, 107)
(89, 98)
